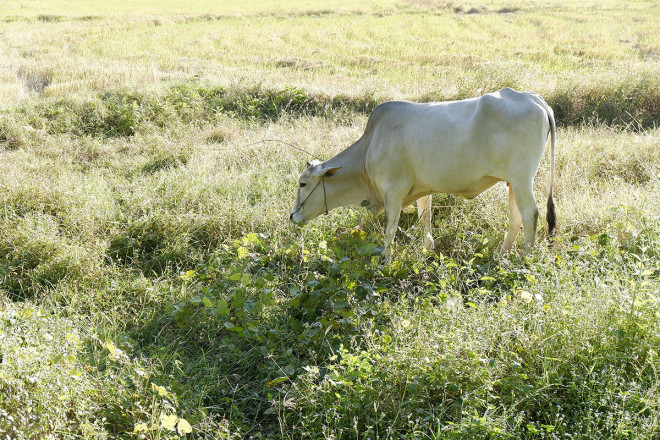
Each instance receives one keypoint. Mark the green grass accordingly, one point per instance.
(150, 278)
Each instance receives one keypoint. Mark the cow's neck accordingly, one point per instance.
(349, 186)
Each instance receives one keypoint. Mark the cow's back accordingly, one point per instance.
(460, 147)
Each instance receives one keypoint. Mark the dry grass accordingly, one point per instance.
(404, 51)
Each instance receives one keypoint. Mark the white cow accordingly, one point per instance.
(409, 151)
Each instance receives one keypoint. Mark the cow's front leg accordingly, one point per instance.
(391, 223)
(392, 214)
(424, 213)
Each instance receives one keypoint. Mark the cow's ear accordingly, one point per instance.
(313, 163)
(330, 171)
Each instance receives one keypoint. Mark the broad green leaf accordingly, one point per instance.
(242, 252)
(183, 427)
(168, 422)
(223, 307)
(160, 390)
(111, 347)
(370, 249)
(140, 428)
(238, 299)
(276, 381)
(188, 275)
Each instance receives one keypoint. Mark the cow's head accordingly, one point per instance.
(313, 193)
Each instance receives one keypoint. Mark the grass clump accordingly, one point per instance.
(34, 257)
(194, 101)
(153, 244)
(110, 116)
(11, 136)
(630, 101)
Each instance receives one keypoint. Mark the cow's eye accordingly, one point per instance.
(302, 185)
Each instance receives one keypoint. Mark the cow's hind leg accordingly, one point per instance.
(524, 196)
(515, 222)
(424, 213)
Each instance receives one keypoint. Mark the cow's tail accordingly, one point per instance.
(551, 215)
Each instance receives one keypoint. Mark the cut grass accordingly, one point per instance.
(412, 52)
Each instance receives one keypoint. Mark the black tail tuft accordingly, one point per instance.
(551, 217)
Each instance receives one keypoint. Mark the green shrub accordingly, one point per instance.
(152, 245)
(56, 378)
(11, 136)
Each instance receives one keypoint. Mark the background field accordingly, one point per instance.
(151, 285)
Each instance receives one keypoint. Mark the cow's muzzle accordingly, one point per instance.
(297, 218)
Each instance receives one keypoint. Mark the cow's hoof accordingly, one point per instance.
(385, 258)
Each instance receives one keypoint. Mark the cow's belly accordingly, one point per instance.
(474, 188)
(467, 189)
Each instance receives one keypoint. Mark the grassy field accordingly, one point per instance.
(152, 287)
